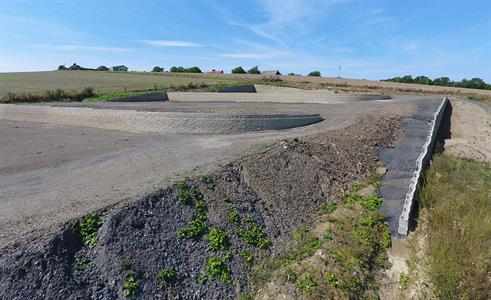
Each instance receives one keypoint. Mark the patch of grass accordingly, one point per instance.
(372, 202)
(248, 258)
(184, 198)
(233, 216)
(165, 275)
(182, 185)
(208, 182)
(331, 279)
(304, 284)
(479, 98)
(276, 168)
(329, 207)
(403, 281)
(197, 195)
(358, 187)
(200, 208)
(216, 268)
(338, 262)
(298, 234)
(202, 278)
(130, 285)
(456, 199)
(246, 296)
(227, 199)
(254, 234)
(111, 96)
(81, 262)
(58, 95)
(217, 239)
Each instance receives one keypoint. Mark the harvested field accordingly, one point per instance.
(101, 82)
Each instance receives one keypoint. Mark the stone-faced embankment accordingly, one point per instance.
(158, 122)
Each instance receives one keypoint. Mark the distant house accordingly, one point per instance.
(215, 72)
(119, 69)
(271, 73)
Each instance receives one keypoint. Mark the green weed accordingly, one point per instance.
(165, 275)
(81, 262)
(89, 229)
(331, 279)
(216, 268)
(184, 197)
(254, 234)
(304, 284)
(130, 286)
(329, 208)
(196, 227)
(248, 258)
(217, 239)
(208, 182)
(233, 216)
(404, 281)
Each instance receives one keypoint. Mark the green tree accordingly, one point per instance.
(62, 68)
(315, 73)
(422, 80)
(175, 69)
(254, 70)
(442, 81)
(238, 70)
(157, 69)
(193, 70)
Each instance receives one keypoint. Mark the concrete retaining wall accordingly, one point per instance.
(161, 122)
(311, 96)
(150, 97)
(238, 89)
(421, 163)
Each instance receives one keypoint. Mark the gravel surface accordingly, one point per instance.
(281, 188)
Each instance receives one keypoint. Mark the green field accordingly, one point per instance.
(101, 82)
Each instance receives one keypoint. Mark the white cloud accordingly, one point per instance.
(171, 43)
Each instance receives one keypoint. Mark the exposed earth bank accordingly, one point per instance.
(204, 231)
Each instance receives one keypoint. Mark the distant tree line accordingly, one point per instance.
(474, 83)
(180, 69)
(77, 67)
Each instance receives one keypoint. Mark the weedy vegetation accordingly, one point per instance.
(337, 258)
(165, 275)
(88, 228)
(216, 268)
(253, 234)
(217, 239)
(456, 204)
(208, 182)
(130, 285)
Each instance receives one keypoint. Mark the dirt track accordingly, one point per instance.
(471, 130)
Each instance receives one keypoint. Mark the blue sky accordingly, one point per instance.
(368, 39)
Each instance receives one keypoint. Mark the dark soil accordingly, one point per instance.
(282, 188)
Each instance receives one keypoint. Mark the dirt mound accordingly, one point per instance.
(206, 231)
